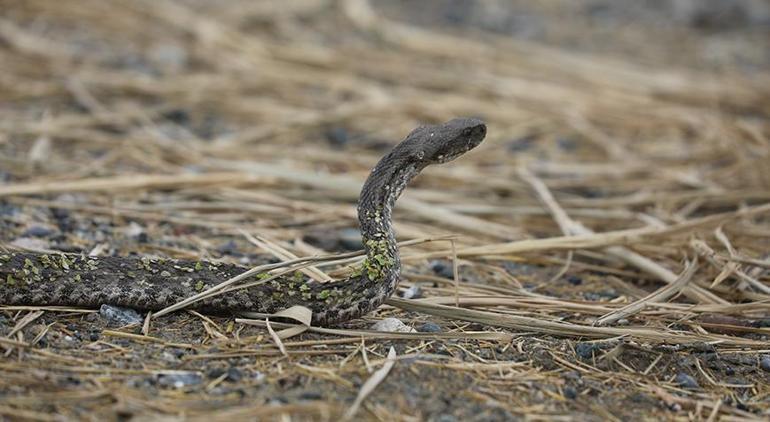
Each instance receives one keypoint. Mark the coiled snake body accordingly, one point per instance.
(153, 284)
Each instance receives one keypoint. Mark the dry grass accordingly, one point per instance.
(204, 124)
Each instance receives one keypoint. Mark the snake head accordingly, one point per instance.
(438, 144)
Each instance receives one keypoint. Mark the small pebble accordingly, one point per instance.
(179, 116)
(570, 392)
(442, 268)
(229, 248)
(522, 144)
(120, 316)
(38, 231)
(257, 376)
(686, 381)
(393, 325)
(133, 230)
(566, 144)
(429, 327)
(608, 294)
(586, 350)
(338, 136)
(764, 363)
(413, 292)
(311, 395)
(234, 375)
(179, 379)
(169, 357)
(574, 280)
(215, 373)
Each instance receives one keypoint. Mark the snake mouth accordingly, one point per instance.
(441, 159)
(445, 158)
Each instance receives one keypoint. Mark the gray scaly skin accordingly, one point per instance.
(153, 284)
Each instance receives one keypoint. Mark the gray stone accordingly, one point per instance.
(686, 381)
(119, 316)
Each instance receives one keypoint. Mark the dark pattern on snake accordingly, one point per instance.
(153, 284)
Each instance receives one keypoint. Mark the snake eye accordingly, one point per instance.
(467, 131)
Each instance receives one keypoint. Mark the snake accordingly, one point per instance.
(151, 284)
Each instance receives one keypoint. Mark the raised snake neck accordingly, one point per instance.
(154, 284)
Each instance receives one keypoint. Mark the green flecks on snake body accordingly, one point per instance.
(154, 284)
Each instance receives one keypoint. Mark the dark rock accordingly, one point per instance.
(311, 395)
(338, 137)
(94, 335)
(608, 294)
(521, 144)
(70, 380)
(214, 373)
(570, 392)
(38, 231)
(686, 381)
(574, 280)
(120, 316)
(586, 350)
(600, 296)
(566, 144)
(442, 268)
(179, 116)
(229, 248)
(429, 327)
(764, 363)
(234, 375)
(62, 218)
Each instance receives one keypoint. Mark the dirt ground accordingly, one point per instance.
(626, 155)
